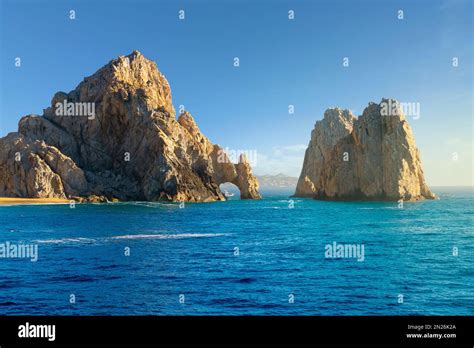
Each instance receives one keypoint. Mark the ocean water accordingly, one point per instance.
(241, 258)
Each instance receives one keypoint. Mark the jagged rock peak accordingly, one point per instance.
(117, 137)
(372, 157)
(187, 121)
(132, 78)
(337, 114)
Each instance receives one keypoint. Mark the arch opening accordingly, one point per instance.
(230, 190)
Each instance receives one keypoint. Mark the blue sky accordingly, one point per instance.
(282, 62)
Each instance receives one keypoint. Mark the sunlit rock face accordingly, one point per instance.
(116, 136)
(372, 157)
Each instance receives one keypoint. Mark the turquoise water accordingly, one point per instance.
(241, 258)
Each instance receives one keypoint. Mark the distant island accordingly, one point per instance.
(277, 181)
(116, 137)
(269, 182)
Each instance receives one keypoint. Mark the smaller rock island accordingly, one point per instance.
(372, 157)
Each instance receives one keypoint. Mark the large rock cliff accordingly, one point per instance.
(372, 157)
(116, 137)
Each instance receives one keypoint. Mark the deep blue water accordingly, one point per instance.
(191, 251)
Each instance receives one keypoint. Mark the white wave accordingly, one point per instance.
(379, 208)
(127, 236)
(152, 204)
(64, 240)
(168, 236)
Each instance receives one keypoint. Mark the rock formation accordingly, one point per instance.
(116, 137)
(372, 157)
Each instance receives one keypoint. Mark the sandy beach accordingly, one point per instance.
(15, 200)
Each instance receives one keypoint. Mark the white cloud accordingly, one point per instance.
(287, 160)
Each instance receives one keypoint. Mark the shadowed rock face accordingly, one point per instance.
(372, 157)
(133, 148)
